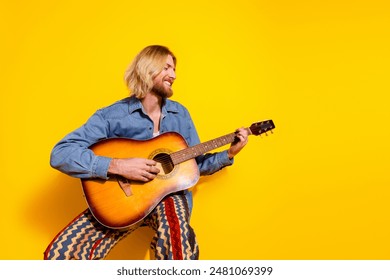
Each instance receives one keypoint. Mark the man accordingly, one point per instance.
(144, 115)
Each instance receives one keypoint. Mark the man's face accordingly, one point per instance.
(163, 82)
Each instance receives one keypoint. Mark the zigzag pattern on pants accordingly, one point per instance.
(190, 246)
(174, 238)
(84, 238)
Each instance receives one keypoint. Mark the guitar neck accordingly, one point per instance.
(200, 149)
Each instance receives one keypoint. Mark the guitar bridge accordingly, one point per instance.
(125, 185)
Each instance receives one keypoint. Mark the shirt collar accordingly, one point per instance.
(135, 105)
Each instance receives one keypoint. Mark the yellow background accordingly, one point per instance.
(318, 188)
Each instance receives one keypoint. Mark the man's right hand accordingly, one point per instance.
(136, 169)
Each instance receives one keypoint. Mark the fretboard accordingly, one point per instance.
(197, 150)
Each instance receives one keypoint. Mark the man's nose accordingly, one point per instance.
(172, 74)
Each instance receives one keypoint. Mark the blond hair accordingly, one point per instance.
(144, 68)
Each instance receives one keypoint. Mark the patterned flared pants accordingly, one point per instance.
(84, 238)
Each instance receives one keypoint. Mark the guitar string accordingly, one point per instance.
(181, 155)
(191, 152)
(197, 150)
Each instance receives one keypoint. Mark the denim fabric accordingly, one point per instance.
(126, 118)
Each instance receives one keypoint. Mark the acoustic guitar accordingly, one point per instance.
(118, 203)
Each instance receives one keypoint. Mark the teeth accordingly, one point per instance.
(168, 83)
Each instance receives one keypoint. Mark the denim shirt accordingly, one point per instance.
(127, 118)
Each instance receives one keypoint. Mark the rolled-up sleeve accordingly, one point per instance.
(212, 162)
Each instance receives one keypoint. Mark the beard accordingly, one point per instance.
(162, 90)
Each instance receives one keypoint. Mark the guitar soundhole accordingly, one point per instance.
(165, 163)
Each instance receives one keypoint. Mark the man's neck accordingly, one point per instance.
(152, 104)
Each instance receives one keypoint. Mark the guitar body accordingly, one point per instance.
(117, 203)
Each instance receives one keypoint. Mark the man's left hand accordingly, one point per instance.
(241, 140)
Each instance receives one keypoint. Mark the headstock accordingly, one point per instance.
(262, 127)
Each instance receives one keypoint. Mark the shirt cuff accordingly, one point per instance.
(100, 167)
(223, 159)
